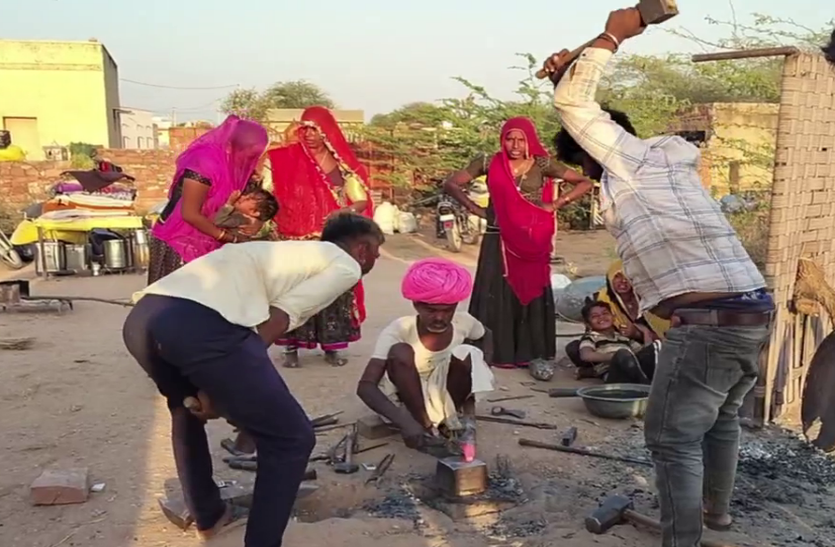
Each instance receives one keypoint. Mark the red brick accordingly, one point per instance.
(60, 487)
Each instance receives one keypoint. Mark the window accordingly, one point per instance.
(125, 142)
(139, 142)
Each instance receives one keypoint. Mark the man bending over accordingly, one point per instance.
(207, 327)
(429, 362)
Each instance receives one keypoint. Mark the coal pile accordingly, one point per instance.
(787, 458)
(401, 504)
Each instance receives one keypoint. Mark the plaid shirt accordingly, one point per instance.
(671, 235)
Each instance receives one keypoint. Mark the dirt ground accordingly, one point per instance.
(77, 399)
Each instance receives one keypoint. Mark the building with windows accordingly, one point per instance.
(138, 129)
(56, 93)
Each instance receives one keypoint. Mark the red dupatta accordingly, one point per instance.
(526, 230)
(304, 192)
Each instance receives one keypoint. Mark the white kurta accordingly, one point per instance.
(433, 366)
(243, 280)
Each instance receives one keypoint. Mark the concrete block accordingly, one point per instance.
(60, 487)
(373, 427)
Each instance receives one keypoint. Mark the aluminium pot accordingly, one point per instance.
(611, 401)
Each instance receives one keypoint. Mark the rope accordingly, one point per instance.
(80, 299)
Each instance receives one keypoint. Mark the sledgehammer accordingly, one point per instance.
(617, 509)
(653, 12)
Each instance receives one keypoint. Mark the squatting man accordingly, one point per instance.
(429, 367)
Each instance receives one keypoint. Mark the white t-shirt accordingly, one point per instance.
(404, 331)
(241, 281)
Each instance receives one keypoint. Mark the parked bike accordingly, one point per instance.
(8, 254)
(458, 225)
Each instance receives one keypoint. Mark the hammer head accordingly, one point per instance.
(654, 12)
(608, 514)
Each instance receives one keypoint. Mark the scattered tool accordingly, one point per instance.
(617, 509)
(653, 12)
(334, 450)
(569, 436)
(327, 419)
(583, 452)
(500, 420)
(502, 411)
(347, 465)
(511, 398)
(381, 468)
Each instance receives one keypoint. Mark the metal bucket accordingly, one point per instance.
(115, 254)
(78, 257)
(140, 250)
(53, 259)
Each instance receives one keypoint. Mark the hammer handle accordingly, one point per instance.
(541, 74)
(637, 518)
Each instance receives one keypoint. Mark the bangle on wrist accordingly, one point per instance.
(221, 235)
(611, 38)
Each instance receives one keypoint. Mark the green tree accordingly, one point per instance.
(252, 104)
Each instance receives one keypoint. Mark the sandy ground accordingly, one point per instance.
(77, 399)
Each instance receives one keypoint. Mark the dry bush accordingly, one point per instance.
(752, 229)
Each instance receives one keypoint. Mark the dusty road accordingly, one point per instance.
(77, 399)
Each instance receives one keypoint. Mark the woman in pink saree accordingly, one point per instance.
(213, 167)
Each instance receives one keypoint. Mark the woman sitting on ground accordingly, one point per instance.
(626, 311)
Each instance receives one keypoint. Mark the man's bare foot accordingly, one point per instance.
(336, 359)
(291, 359)
(233, 517)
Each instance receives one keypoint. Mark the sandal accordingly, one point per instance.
(335, 359)
(232, 517)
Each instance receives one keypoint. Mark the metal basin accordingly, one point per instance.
(615, 401)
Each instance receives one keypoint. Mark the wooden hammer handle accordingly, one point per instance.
(542, 73)
(637, 518)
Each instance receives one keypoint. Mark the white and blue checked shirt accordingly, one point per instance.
(671, 235)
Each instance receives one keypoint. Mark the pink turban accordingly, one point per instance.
(437, 281)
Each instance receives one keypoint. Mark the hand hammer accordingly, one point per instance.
(653, 12)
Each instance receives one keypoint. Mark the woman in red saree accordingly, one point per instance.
(512, 295)
(315, 175)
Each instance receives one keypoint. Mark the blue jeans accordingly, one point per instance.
(692, 422)
(184, 346)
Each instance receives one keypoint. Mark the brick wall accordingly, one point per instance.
(23, 183)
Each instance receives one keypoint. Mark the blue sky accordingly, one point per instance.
(368, 54)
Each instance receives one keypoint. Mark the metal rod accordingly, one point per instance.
(745, 54)
(583, 452)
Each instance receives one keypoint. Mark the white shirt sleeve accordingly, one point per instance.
(471, 327)
(594, 130)
(317, 292)
(390, 336)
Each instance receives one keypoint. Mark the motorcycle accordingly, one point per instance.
(457, 224)
(8, 254)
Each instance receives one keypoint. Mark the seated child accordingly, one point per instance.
(430, 366)
(606, 353)
(252, 211)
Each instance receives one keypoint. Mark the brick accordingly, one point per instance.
(60, 487)
(373, 427)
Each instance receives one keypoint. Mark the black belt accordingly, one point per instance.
(723, 318)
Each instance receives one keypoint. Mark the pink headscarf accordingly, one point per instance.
(436, 281)
(227, 156)
(526, 230)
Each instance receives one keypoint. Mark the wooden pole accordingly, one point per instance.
(745, 54)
